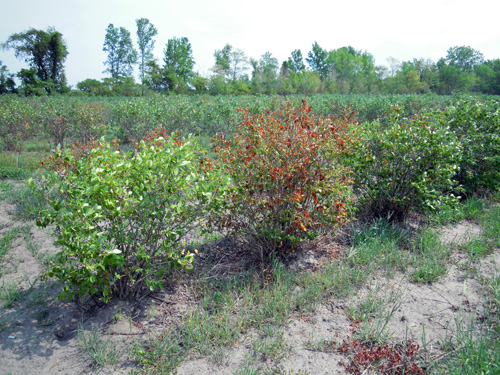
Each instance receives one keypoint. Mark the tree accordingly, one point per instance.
(394, 66)
(452, 79)
(488, 75)
(264, 73)
(317, 59)
(223, 61)
(179, 63)
(153, 77)
(295, 63)
(230, 63)
(145, 33)
(31, 85)
(464, 58)
(239, 64)
(45, 52)
(121, 53)
(353, 70)
(92, 87)
(456, 70)
(427, 71)
(7, 83)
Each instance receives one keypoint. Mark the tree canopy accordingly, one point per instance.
(145, 34)
(179, 63)
(45, 52)
(121, 53)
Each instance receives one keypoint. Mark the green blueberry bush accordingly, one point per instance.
(15, 124)
(119, 217)
(476, 123)
(405, 166)
(287, 184)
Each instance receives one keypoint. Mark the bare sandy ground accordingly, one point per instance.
(38, 334)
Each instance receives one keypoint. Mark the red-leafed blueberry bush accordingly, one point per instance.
(287, 184)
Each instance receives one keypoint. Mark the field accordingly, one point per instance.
(409, 284)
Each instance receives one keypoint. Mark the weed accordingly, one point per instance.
(379, 245)
(367, 308)
(470, 209)
(430, 258)
(4, 324)
(6, 242)
(5, 186)
(28, 204)
(100, 350)
(473, 350)
(270, 345)
(159, 354)
(478, 247)
(38, 298)
(491, 224)
(281, 371)
(375, 330)
(10, 293)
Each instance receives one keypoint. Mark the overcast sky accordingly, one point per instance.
(399, 28)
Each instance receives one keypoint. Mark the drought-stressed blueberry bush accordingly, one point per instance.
(286, 180)
(405, 166)
(119, 217)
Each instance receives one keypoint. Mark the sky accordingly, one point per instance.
(385, 28)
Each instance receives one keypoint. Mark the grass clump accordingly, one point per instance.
(10, 293)
(430, 258)
(379, 245)
(101, 351)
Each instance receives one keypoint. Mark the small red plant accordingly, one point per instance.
(395, 360)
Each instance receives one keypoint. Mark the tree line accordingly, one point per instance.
(344, 70)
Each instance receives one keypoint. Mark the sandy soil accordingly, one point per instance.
(38, 335)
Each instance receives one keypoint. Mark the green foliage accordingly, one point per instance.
(7, 83)
(145, 33)
(264, 74)
(296, 62)
(120, 216)
(353, 70)
(223, 60)
(14, 126)
(488, 75)
(45, 52)
(92, 87)
(468, 209)
(317, 59)
(287, 183)
(464, 58)
(477, 126)
(409, 165)
(179, 63)
(78, 120)
(121, 52)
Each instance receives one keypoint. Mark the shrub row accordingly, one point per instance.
(282, 177)
(62, 120)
